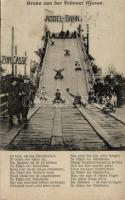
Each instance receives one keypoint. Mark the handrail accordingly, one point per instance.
(87, 83)
(3, 112)
(44, 61)
(85, 63)
(3, 104)
(88, 63)
(3, 95)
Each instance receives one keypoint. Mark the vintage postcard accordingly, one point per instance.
(62, 100)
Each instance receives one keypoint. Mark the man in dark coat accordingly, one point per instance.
(13, 101)
(25, 96)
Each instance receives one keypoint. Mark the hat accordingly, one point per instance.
(26, 81)
(14, 82)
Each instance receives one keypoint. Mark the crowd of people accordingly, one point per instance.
(22, 90)
(63, 34)
(103, 93)
(21, 94)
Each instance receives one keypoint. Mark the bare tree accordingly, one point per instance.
(111, 70)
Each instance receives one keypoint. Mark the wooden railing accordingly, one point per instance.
(87, 61)
(3, 104)
(89, 76)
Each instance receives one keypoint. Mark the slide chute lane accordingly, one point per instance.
(62, 65)
(75, 74)
(83, 57)
(73, 80)
(54, 58)
(68, 71)
(48, 77)
(44, 69)
(41, 84)
(59, 64)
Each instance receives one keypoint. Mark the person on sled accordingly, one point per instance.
(67, 52)
(76, 63)
(52, 43)
(43, 94)
(59, 72)
(108, 107)
(77, 99)
(58, 97)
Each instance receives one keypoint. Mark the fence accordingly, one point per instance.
(3, 104)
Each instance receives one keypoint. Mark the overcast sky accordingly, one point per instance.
(107, 29)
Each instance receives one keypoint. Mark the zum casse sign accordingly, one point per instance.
(15, 60)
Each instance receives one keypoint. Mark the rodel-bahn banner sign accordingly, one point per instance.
(15, 60)
(64, 18)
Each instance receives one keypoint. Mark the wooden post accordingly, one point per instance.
(0, 46)
(16, 64)
(87, 38)
(79, 30)
(25, 65)
(12, 51)
(31, 74)
(62, 24)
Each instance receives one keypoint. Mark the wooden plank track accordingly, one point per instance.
(61, 127)
(77, 133)
(37, 135)
(58, 128)
(115, 130)
(57, 139)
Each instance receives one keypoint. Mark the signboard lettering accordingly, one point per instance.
(15, 60)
